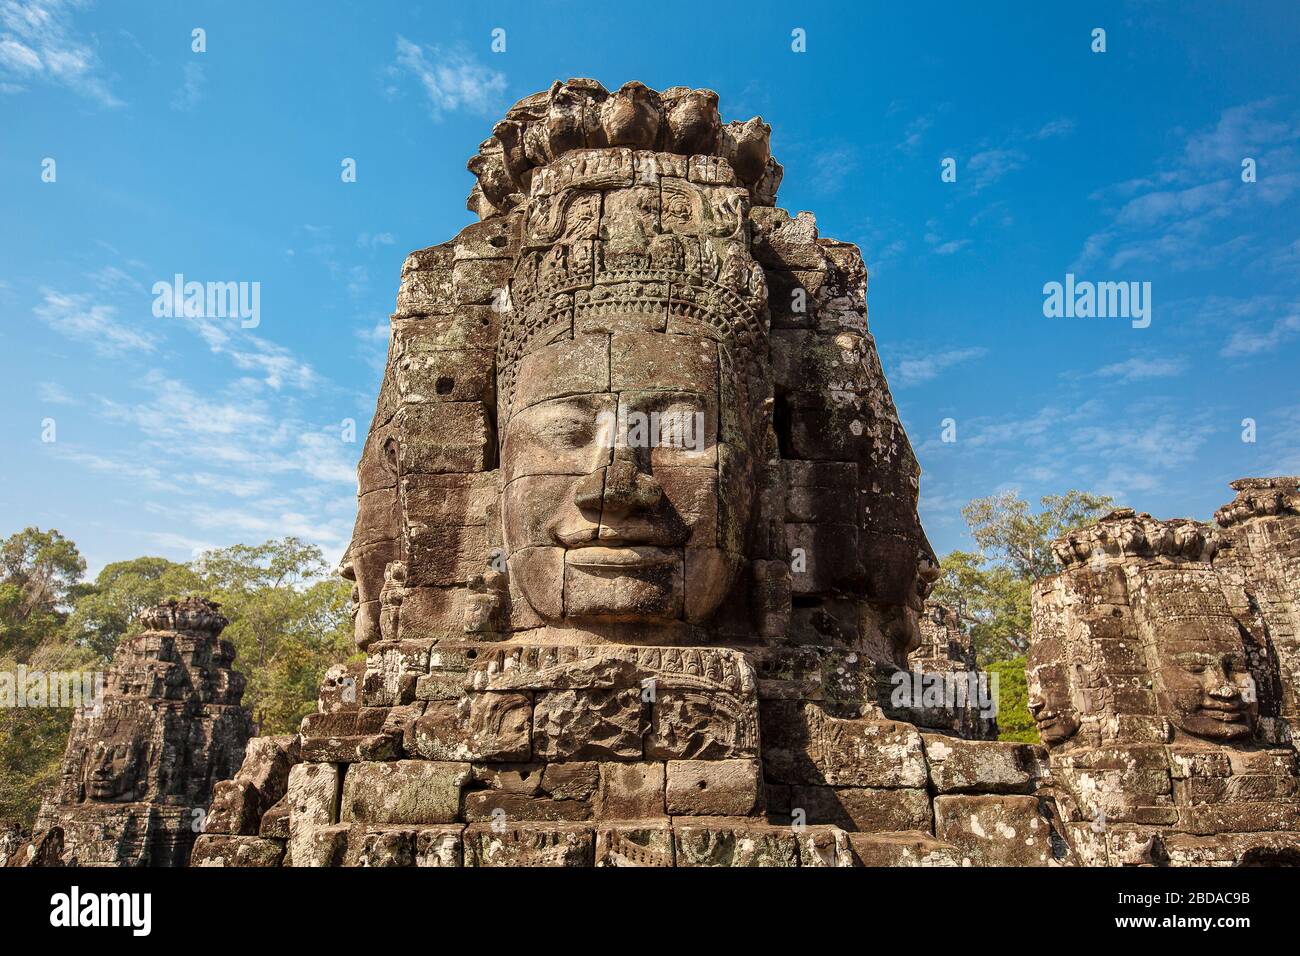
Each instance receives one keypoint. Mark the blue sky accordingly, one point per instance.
(176, 434)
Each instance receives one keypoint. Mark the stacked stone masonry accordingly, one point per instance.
(637, 557)
(141, 764)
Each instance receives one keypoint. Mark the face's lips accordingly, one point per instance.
(598, 558)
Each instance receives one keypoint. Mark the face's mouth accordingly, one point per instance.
(1228, 713)
(597, 558)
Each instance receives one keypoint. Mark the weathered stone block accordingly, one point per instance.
(541, 844)
(804, 745)
(982, 766)
(403, 792)
(589, 725)
(1001, 831)
(439, 846)
(727, 788)
(494, 805)
(635, 845)
(312, 799)
(235, 808)
(737, 842)
(867, 809)
(482, 726)
(902, 849)
(824, 846)
(630, 791)
(221, 850)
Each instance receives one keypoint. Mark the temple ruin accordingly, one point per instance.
(1162, 679)
(141, 763)
(639, 581)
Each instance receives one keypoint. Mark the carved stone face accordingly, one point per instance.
(1051, 703)
(625, 484)
(114, 765)
(1206, 687)
(374, 542)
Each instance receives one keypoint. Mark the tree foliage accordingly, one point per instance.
(990, 590)
(991, 602)
(1014, 720)
(106, 611)
(289, 621)
(1008, 533)
(38, 571)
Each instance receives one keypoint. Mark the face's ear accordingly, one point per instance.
(389, 453)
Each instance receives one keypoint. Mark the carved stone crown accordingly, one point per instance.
(583, 270)
(582, 114)
(1260, 498)
(1124, 533)
(191, 614)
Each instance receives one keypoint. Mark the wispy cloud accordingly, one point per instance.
(1138, 369)
(451, 79)
(1262, 337)
(189, 93)
(990, 165)
(38, 43)
(914, 371)
(79, 318)
(1194, 211)
(55, 394)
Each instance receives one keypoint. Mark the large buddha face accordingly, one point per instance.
(627, 482)
(1206, 686)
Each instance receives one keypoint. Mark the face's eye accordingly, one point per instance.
(566, 431)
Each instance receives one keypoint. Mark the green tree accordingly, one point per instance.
(990, 590)
(105, 612)
(1014, 719)
(38, 571)
(991, 602)
(1008, 533)
(289, 621)
(33, 739)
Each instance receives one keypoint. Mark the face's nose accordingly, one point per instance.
(620, 488)
(1224, 687)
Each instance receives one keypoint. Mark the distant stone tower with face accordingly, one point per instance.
(140, 766)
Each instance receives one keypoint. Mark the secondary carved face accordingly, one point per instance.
(1206, 687)
(1051, 703)
(626, 484)
(114, 764)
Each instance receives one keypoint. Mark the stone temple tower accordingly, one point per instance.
(636, 537)
(140, 766)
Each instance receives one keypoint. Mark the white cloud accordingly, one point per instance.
(55, 394)
(1142, 369)
(1261, 338)
(95, 324)
(191, 89)
(990, 165)
(1181, 215)
(38, 41)
(918, 370)
(451, 79)
(275, 364)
